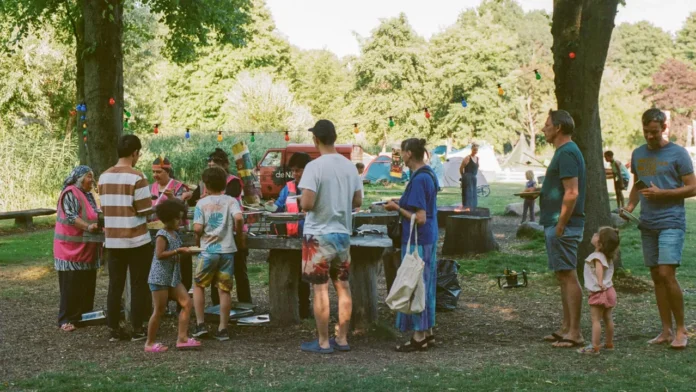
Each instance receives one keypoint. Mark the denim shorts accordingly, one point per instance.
(215, 267)
(563, 251)
(159, 287)
(662, 247)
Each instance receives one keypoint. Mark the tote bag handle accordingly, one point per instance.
(413, 228)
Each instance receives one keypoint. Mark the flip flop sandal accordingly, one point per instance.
(156, 348)
(673, 347)
(431, 340)
(67, 327)
(554, 337)
(191, 343)
(573, 343)
(413, 345)
(589, 350)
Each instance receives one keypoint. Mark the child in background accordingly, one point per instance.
(214, 221)
(165, 278)
(599, 270)
(530, 186)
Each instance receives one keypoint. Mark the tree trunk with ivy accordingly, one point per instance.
(102, 59)
(584, 27)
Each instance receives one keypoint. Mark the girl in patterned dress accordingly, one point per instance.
(165, 278)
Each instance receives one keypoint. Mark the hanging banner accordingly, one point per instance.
(396, 170)
(245, 170)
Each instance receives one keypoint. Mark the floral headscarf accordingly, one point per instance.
(75, 175)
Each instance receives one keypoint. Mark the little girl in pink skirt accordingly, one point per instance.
(599, 270)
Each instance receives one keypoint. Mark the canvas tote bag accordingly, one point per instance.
(407, 294)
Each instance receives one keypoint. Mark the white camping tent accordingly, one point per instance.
(451, 174)
(488, 163)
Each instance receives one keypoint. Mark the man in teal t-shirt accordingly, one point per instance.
(668, 174)
(562, 203)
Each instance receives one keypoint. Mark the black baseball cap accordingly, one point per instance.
(325, 131)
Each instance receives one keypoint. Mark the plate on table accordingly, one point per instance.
(195, 249)
(630, 216)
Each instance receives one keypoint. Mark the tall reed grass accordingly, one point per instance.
(34, 165)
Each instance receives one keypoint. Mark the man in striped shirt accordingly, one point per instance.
(126, 202)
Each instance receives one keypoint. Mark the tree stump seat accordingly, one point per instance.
(468, 234)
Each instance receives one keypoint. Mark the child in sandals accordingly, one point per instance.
(165, 278)
(599, 270)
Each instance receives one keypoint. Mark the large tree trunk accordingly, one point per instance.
(584, 27)
(103, 80)
(80, 91)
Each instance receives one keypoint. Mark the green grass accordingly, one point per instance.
(20, 248)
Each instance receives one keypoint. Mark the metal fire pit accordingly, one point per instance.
(444, 212)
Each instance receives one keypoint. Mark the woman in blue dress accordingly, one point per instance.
(419, 198)
(469, 169)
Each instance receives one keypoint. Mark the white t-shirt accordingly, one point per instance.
(590, 274)
(334, 179)
(216, 214)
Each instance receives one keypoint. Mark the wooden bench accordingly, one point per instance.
(25, 218)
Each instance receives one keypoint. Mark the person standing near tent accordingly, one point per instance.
(469, 169)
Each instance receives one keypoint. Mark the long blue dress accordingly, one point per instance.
(469, 196)
(421, 194)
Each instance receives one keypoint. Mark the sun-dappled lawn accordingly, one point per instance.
(490, 343)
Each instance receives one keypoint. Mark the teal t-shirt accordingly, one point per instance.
(567, 162)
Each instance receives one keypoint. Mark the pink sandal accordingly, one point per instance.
(191, 343)
(67, 327)
(156, 348)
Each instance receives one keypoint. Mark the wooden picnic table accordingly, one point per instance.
(25, 217)
(285, 263)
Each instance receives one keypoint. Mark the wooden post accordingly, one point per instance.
(468, 234)
(284, 278)
(363, 286)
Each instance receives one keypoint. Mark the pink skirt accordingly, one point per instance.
(605, 299)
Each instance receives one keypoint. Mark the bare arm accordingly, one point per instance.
(161, 252)
(599, 273)
(308, 198)
(239, 228)
(570, 197)
(688, 190)
(465, 162)
(633, 198)
(357, 199)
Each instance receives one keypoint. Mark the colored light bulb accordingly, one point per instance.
(219, 137)
(112, 101)
(188, 135)
(127, 113)
(427, 113)
(125, 124)
(253, 139)
(501, 92)
(287, 136)
(571, 55)
(73, 113)
(84, 133)
(84, 139)
(464, 104)
(84, 125)
(355, 129)
(537, 75)
(391, 122)
(83, 117)
(156, 130)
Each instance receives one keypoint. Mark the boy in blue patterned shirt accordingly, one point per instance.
(215, 219)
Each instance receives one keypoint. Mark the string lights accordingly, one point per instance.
(112, 101)
(156, 130)
(187, 136)
(464, 104)
(355, 129)
(537, 74)
(427, 113)
(391, 122)
(219, 137)
(287, 136)
(501, 92)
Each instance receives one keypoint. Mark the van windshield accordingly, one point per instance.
(272, 159)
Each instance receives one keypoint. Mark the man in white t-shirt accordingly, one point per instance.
(331, 189)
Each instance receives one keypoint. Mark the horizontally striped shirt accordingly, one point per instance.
(126, 202)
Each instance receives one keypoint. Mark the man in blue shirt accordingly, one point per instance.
(297, 164)
(562, 203)
(668, 174)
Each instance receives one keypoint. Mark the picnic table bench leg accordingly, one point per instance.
(363, 286)
(26, 222)
(284, 279)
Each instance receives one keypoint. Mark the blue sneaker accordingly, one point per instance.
(313, 347)
(337, 346)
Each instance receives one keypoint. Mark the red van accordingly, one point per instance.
(273, 172)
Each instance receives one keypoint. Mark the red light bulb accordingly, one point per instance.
(571, 55)
(156, 130)
(287, 136)
(427, 113)
(112, 101)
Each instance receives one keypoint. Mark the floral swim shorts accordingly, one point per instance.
(325, 256)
